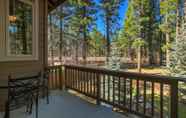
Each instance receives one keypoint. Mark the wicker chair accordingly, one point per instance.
(44, 85)
(22, 92)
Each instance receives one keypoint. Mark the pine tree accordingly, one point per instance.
(151, 29)
(135, 27)
(82, 20)
(168, 10)
(128, 34)
(178, 58)
(110, 14)
(97, 42)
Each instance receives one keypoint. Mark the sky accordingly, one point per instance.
(122, 12)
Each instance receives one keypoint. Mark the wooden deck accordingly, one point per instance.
(66, 105)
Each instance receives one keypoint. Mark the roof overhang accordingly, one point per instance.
(52, 4)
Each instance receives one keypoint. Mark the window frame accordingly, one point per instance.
(7, 51)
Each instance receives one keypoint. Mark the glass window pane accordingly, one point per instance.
(20, 27)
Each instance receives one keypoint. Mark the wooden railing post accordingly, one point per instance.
(174, 99)
(98, 82)
(60, 78)
(65, 77)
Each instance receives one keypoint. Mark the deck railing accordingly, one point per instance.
(142, 94)
(55, 77)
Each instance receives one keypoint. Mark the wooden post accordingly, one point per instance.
(98, 82)
(174, 99)
(65, 77)
(60, 78)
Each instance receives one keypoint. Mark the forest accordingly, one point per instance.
(151, 34)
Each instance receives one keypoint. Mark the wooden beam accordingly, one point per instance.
(52, 5)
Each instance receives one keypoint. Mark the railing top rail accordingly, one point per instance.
(55, 66)
(132, 75)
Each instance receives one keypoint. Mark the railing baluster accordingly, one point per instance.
(86, 80)
(137, 95)
(131, 95)
(124, 92)
(144, 98)
(57, 78)
(75, 79)
(78, 86)
(152, 100)
(104, 86)
(91, 85)
(98, 88)
(108, 77)
(81, 84)
(60, 78)
(83, 77)
(119, 90)
(53, 79)
(88, 83)
(65, 77)
(70, 78)
(71, 74)
(161, 100)
(95, 92)
(113, 95)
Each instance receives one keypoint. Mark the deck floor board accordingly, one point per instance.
(66, 105)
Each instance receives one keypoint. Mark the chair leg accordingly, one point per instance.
(43, 92)
(30, 107)
(7, 112)
(37, 100)
(47, 96)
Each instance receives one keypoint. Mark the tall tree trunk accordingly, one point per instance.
(139, 59)
(84, 49)
(178, 20)
(150, 52)
(167, 50)
(159, 50)
(76, 52)
(52, 56)
(150, 34)
(61, 37)
(167, 36)
(51, 38)
(108, 36)
(131, 54)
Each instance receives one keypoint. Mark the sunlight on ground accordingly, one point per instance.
(153, 70)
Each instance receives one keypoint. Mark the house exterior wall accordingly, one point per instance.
(23, 68)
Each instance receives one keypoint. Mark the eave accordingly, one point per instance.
(52, 4)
